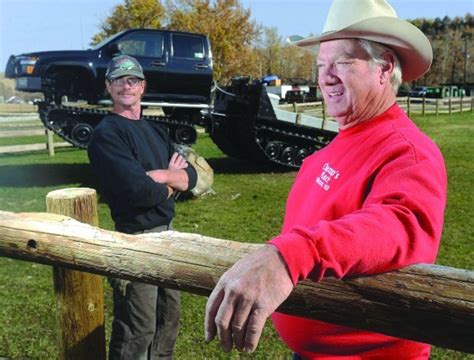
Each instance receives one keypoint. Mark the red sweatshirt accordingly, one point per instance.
(371, 201)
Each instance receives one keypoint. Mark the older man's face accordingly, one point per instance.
(354, 90)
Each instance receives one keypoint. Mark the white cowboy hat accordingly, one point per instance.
(376, 20)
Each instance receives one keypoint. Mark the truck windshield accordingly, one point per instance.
(106, 40)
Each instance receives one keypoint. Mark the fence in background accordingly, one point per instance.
(21, 120)
(17, 108)
(412, 106)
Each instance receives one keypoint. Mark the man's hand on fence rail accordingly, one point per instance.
(245, 296)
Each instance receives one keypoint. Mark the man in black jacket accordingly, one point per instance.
(138, 172)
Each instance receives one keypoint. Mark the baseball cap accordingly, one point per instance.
(124, 65)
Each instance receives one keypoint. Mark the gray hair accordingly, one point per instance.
(375, 51)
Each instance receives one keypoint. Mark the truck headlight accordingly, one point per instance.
(27, 64)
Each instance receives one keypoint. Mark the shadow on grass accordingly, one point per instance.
(227, 165)
(60, 174)
(47, 175)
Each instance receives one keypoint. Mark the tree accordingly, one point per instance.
(297, 63)
(132, 14)
(451, 51)
(241, 47)
(230, 30)
(270, 50)
(282, 59)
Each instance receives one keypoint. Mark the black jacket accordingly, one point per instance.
(121, 151)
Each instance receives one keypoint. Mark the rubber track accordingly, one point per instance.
(316, 142)
(45, 109)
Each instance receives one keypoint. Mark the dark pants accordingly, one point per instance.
(146, 320)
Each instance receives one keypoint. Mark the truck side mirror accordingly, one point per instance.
(114, 49)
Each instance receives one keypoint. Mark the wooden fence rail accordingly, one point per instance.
(427, 303)
(49, 144)
(30, 126)
(412, 106)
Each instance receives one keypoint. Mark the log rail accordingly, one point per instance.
(427, 303)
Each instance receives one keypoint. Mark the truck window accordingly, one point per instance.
(188, 46)
(142, 45)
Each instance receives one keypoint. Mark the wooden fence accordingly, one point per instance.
(422, 106)
(17, 108)
(26, 128)
(427, 303)
(429, 106)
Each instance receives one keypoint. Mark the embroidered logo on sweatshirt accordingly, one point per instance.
(328, 174)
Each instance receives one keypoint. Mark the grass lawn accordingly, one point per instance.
(37, 139)
(248, 206)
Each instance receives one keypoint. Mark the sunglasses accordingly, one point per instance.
(130, 81)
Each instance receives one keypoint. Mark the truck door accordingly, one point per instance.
(148, 48)
(189, 68)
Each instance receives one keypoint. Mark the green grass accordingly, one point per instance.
(248, 206)
(454, 136)
(25, 140)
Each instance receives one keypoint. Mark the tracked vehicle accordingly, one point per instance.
(249, 123)
(241, 118)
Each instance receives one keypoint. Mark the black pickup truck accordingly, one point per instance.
(177, 65)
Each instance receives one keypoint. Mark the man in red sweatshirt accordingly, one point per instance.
(371, 201)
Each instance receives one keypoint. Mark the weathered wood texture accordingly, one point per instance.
(79, 295)
(427, 303)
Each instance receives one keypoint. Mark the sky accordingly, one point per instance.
(41, 25)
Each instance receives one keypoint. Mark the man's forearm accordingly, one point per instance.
(177, 179)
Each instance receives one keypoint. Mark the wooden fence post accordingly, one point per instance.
(79, 295)
(324, 110)
(423, 105)
(50, 142)
(408, 106)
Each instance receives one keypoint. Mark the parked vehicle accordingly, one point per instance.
(248, 123)
(242, 119)
(418, 91)
(443, 91)
(177, 65)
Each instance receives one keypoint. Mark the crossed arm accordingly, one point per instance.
(175, 178)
